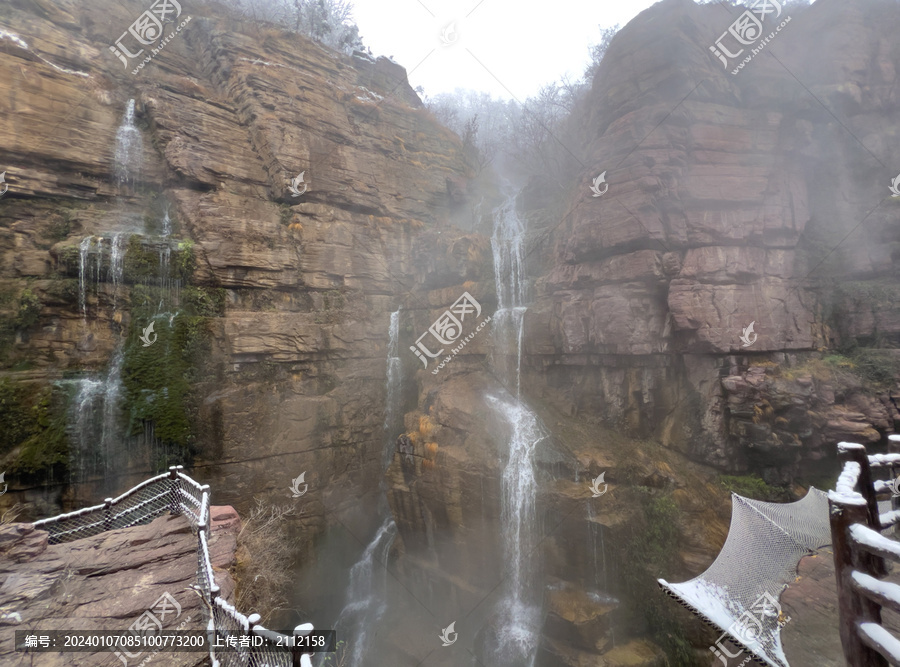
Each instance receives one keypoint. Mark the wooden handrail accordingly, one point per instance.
(884, 593)
(850, 451)
(876, 638)
(860, 551)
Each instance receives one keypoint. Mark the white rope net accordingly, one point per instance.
(739, 592)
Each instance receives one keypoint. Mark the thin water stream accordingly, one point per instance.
(519, 611)
(96, 423)
(367, 591)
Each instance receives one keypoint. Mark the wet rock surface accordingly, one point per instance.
(106, 582)
(726, 198)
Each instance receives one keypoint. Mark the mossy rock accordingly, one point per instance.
(203, 301)
(753, 486)
(67, 257)
(142, 261)
(33, 429)
(157, 377)
(29, 310)
(63, 291)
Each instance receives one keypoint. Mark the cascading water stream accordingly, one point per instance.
(112, 443)
(392, 390)
(519, 613)
(508, 246)
(166, 224)
(366, 596)
(83, 256)
(95, 423)
(366, 599)
(129, 148)
(165, 255)
(84, 460)
(117, 265)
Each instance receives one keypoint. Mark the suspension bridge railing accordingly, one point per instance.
(860, 552)
(176, 493)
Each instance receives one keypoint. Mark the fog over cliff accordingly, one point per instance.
(452, 359)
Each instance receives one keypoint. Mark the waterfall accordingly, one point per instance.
(84, 457)
(100, 444)
(166, 224)
(519, 614)
(392, 391)
(366, 596)
(165, 255)
(129, 148)
(508, 246)
(94, 423)
(111, 436)
(83, 249)
(117, 264)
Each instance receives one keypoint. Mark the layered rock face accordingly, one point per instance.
(732, 200)
(227, 117)
(760, 197)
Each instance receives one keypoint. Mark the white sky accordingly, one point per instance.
(524, 44)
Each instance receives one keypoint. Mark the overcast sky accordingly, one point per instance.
(518, 45)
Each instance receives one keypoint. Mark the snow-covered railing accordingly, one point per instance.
(176, 493)
(860, 551)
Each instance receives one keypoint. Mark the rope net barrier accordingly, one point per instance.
(739, 592)
(176, 493)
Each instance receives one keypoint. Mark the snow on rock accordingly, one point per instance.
(368, 95)
(22, 44)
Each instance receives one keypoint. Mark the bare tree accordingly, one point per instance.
(329, 22)
(598, 50)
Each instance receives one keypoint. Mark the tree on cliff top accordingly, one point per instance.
(327, 21)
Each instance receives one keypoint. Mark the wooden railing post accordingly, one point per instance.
(848, 451)
(852, 607)
(893, 446)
